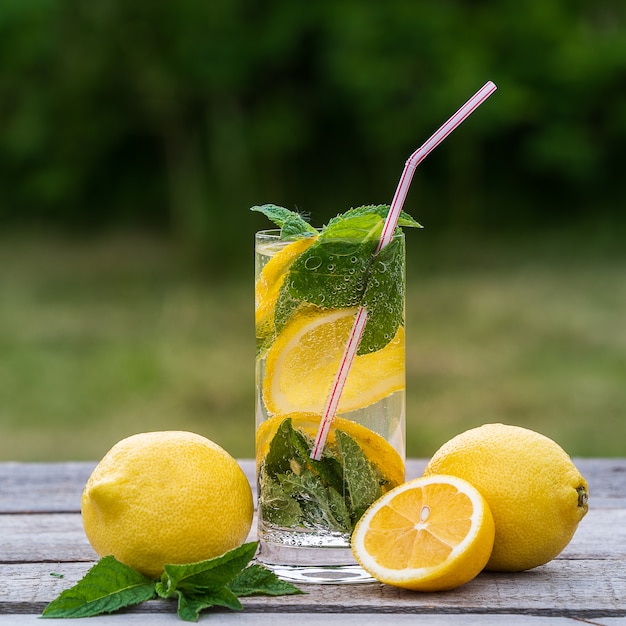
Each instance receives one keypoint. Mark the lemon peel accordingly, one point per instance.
(535, 492)
(166, 497)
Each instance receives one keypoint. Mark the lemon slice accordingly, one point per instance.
(429, 534)
(270, 281)
(377, 450)
(303, 361)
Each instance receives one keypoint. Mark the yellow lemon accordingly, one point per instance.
(378, 451)
(303, 361)
(267, 287)
(166, 497)
(429, 534)
(536, 494)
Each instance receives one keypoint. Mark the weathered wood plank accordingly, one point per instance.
(42, 487)
(59, 537)
(57, 487)
(606, 478)
(600, 535)
(221, 618)
(561, 588)
(50, 537)
(44, 537)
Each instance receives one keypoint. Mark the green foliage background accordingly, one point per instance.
(180, 115)
(135, 135)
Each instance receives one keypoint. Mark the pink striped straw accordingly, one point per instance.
(387, 233)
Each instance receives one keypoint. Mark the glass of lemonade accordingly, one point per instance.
(309, 285)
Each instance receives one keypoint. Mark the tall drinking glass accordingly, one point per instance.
(307, 293)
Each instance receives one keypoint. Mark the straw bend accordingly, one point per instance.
(387, 233)
(422, 152)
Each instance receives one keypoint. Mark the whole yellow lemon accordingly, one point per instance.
(535, 493)
(166, 497)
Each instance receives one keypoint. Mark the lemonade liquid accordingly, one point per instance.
(307, 291)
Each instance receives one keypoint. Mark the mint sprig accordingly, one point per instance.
(341, 270)
(110, 586)
(330, 494)
(292, 224)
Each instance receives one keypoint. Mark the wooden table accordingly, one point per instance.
(43, 550)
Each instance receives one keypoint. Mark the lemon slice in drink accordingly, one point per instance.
(429, 534)
(303, 361)
(378, 451)
(270, 281)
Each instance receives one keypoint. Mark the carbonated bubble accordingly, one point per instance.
(313, 262)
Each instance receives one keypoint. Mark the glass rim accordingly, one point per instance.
(273, 234)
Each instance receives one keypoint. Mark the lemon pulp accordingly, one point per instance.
(302, 363)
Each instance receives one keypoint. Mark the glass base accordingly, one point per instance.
(319, 566)
(321, 575)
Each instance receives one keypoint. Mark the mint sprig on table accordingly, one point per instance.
(332, 493)
(110, 586)
(340, 270)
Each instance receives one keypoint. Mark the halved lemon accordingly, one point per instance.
(303, 361)
(430, 534)
(267, 287)
(378, 451)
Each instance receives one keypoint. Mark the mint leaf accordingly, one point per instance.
(108, 586)
(258, 580)
(360, 224)
(291, 223)
(380, 210)
(362, 479)
(331, 274)
(209, 574)
(290, 451)
(287, 451)
(191, 603)
(277, 506)
(329, 469)
(322, 506)
(295, 226)
(384, 298)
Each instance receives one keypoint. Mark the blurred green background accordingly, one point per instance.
(134, 136)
